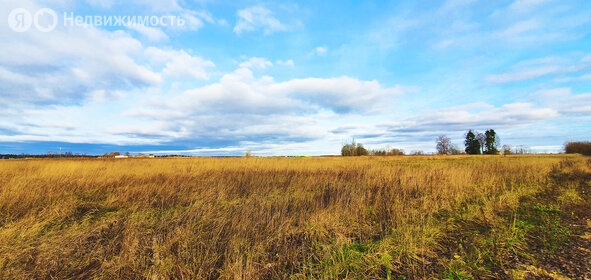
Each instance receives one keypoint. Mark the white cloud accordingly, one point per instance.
(523, 75)
(536, 68)
(582, 78)
(553, 93)
(194, 19)
(242, 92)
(451, 119)
(289, 63)
(153, 34)
(241, 107)
(564, 101)
(254, 18)
(341, 95)
(180, 64)
(467, 24)
(193, 22)
(106, 95)
(522, 6)
(518, 29)
(65, 65)
(256, 63)
(321, 51)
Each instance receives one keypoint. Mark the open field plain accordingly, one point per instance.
(456, 217)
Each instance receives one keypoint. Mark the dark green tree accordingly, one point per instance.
(491, 142)
(472, 144)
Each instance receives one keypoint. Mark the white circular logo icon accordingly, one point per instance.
(20, 20)
(45, 20)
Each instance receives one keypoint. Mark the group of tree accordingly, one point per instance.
(475, 144)
(583, 148)
(481, 143)
(354, 149)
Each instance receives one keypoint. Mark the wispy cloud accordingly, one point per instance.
(320, 51)
(153, 34)
(522, 6)
(256, 63)
(518, 29)
(255, 18)
(288, 62)
(565, 102)
(180, 64)
(452, 119)
(536, 68)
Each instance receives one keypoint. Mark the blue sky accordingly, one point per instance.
(295, 77)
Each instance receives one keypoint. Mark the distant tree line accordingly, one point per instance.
(386, 152)
(583, 148)
(47, 155)
(475, 143)
(357, 149)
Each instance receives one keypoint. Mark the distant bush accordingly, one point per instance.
(354, 149)
(386, 152)
(583, 148)
(455, 151)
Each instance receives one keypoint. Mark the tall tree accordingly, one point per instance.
(444, 145)
(481, 138)
(491, 142)
(472, 144)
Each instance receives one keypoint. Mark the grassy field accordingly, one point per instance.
(426, 217)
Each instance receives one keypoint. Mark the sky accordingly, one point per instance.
(284, 78)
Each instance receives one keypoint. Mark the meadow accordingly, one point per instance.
(419, 217)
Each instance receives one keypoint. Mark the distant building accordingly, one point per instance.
(121, 156)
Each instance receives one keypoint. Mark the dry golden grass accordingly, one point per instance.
(253, 218)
